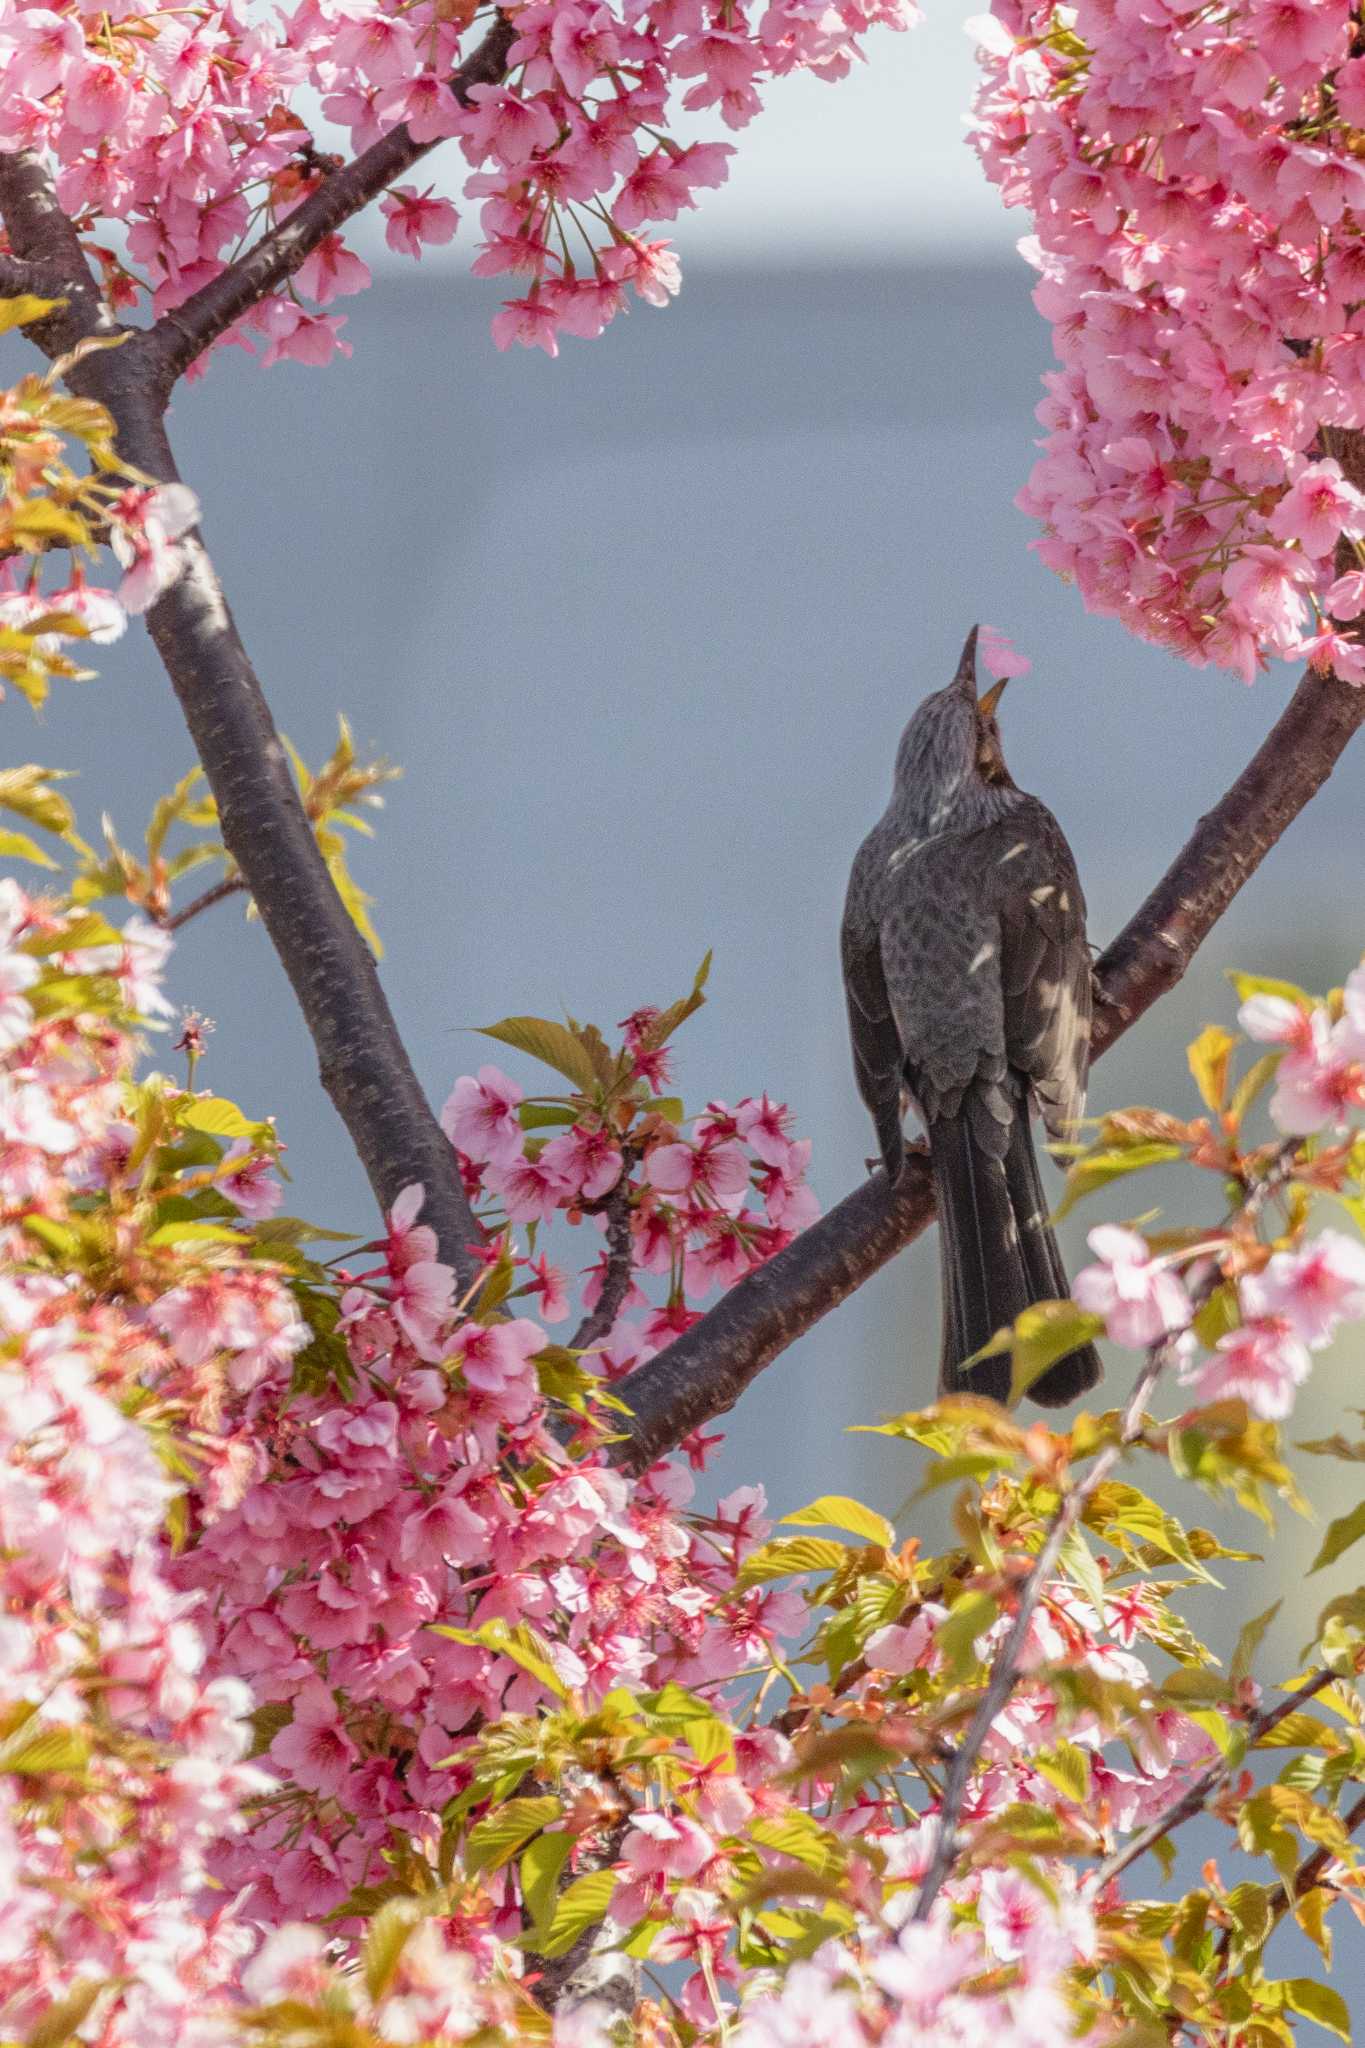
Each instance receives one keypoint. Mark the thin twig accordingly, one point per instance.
(231, 885)
(1196, 1794)
(706, 1369)
(188, 330)
(599, 1320)
(1006, 1671)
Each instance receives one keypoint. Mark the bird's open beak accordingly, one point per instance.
(986, 706)
(965, 679)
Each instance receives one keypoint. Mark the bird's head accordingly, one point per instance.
(951, 746)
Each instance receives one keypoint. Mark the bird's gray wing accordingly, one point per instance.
(1044, 960)
(878, 1056)
(940, 953)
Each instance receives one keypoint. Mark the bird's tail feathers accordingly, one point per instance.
(998, 1256)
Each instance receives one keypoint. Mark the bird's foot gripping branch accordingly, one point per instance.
(351, 1693)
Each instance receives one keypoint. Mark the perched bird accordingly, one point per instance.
(968, 982)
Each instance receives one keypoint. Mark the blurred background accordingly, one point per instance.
(642, 626)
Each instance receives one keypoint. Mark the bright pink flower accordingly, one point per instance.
(999, 655)
(480, 1117)
(1319, 506)
(314, 1750)
(247, 1180)
(531, 1190)
(1262, 1363)
(144, 527)
(530, 322)
(1141, 1300)
(415, 218)
(500, 124)
(332, 271)
(719, 1172)
(1313, 1289)
(298, 336)
(586, 1160)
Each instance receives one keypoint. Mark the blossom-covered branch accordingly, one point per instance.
(1198, 1792)
(1007, 1668)
(706, 1369)
(187, 330)
(363, 1063)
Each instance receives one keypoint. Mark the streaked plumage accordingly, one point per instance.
(968, 982)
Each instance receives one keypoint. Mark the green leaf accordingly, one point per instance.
(968, 1618)
(18, 846)
(792, 1554)
(385, 1939)
(1208, 1058)
(495, 1839)
(1248, 985)
(540, 1870)
(31, 1754)
(1318, 2002)
(1068, 1768)
(1341, 1534)
(520, 1644)
(1249, 1642)
(534, 1116)
(1098, 1169)
(552, 1043)
(191, 1233)
(838, 1511)
(1042, 1335)
(219, 1117)
(1335, 1447)
(581, 1905)
(64, 2015)
(20, 311)
(1252, 1086)
(668, 1020)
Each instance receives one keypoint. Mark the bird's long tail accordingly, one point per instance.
(997, 1252)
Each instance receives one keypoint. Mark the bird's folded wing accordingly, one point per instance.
(1044, 961)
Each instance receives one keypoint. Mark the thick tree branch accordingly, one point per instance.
(364, 1065)
(186, 332)
(704, 1372)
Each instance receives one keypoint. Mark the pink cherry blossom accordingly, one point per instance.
(1312, 1290)
(1262, 1363)
(1141, 1300)
(414, 218)
(999, 656)
(480, 1117)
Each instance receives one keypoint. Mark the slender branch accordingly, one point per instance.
(1304, 1880)
(705, 1370)
(232, 885)
(364, 1065)
(598, 1322)
(186, 332)
(1196, 1794)
(1006, 1670)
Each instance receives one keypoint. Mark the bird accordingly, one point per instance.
(968, 980)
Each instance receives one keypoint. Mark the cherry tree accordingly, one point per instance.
(368, 1670)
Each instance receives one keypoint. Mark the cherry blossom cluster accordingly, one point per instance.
(177, 139)
(1197, 194)
(1285, 1300)
(50, 512)
(343, 1674)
